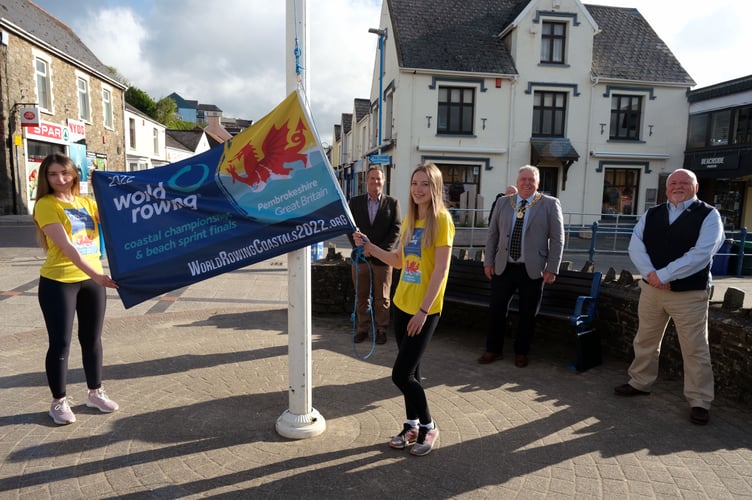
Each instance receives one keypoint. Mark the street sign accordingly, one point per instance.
(380, 159)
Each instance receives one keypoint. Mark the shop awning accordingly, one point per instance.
(554, 149)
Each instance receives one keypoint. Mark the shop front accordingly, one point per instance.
(620, 188)
(42, 140)
(724, 177)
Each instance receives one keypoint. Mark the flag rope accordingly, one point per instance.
(358, 257)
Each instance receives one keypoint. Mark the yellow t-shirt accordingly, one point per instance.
(418, 264)
(79, 219)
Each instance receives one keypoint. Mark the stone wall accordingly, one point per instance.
(729, 333)
(616, 320)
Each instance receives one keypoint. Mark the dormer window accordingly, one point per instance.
(553, 42)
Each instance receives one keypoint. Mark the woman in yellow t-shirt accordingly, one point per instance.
(71, 282)
(423, 253)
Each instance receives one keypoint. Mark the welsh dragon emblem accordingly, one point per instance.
(275, 153)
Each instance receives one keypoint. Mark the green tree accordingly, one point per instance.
(118, 76)
(166, 111)
(141, 101)
(167, 114)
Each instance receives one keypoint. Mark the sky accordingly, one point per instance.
(232, 53)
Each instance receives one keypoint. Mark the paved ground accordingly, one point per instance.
(201, 376)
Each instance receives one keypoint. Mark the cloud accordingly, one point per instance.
(232, 53)
(708, 38)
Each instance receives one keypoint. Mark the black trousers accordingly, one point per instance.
(60, 302)
(503, 286)
(406, 370)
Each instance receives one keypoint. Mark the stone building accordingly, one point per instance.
(55, 96)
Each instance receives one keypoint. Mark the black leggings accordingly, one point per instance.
(406, 370)
(59, 303)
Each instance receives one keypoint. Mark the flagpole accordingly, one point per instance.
(300, 420)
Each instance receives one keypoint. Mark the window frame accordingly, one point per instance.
(558, 114)
(44, 98)
(622, 115)
(84, 98)
(549, 40)
(452, 107)
(464, 174)
(719, 128)
(107, 109)
(132, 133)
(738, 128)
(155, 140)
(742, 125)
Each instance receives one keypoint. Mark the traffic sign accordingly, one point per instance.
(380, 159)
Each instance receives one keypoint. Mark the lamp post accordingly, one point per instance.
(382, 38)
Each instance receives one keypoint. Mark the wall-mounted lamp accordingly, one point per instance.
(650, 130)
(603, 127)
(382, 36)
(483, 120)
(428, 119)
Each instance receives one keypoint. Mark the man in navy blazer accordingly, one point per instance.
(378, 217)
(542, 245)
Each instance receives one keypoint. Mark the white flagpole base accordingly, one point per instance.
(294, 426)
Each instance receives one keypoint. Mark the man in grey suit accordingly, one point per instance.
(523, 252)
(378, 217)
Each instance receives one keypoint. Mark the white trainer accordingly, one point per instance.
(61, 412)
(99, 400)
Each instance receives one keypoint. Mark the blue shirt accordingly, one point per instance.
(710, 240)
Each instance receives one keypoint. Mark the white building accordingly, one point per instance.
(144, 141)
(182, 144)
(589, 94)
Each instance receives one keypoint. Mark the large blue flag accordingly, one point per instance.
(267, 191)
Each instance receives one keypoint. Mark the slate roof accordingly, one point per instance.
(346, 122)
(628, 48)
(44, 26)
(452, 35)
(183, 139)
(133, 109)
(209, 107)
(729, 87)
(461, 36)
(362, 108)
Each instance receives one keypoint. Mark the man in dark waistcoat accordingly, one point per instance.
(672, 247)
